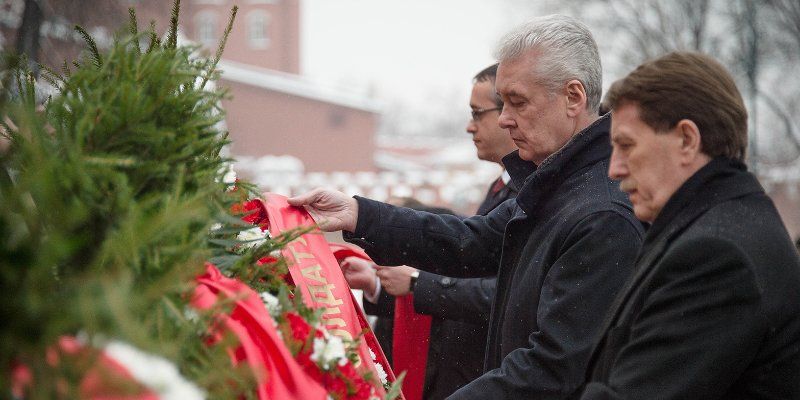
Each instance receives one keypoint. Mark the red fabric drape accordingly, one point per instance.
(105, 379)
(277, 373)
(411, 335)
(317, 275)
(410, 345)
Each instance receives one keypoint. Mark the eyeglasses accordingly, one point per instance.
(476, 113)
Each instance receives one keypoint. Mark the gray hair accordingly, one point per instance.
(568, 51)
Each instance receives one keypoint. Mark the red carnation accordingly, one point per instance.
(363, 389)
(336, 385)
(300, 328)
(266, 260)
(256, 214)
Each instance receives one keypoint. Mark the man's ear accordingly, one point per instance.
(690, 141)
(576, 98)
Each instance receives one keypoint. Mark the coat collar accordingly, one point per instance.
(720, 180)
(537, 184)
(518, 169)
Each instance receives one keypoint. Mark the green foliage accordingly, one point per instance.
(108, 194)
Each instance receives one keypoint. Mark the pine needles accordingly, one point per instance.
(108, 193)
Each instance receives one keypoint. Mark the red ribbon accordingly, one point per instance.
(277, 373)
(317, 275)
(104, 378)
(411, 335)
(410, 341)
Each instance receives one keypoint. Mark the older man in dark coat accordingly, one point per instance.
(713, 311)
(459, 307)
(561, 250)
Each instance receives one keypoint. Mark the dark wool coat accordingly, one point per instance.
(713, 311)
(460, 319)
(494, 199)
(565, 246)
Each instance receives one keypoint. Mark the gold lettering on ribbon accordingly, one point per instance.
(322, 294)
(320, 290)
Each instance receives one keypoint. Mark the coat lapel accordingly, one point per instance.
(720, 180)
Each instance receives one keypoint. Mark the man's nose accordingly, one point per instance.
(505, 121)
(617, 169)
(472, 127)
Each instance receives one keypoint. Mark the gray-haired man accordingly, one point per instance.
(561, 250)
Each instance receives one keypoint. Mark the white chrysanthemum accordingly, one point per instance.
(372, 354)
(330, 351)
(230, 176)
(252, 237)
(191, 315)
(382, 373)
(156, 373)
(272, 303)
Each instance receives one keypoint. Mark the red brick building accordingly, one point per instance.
(273, 110)
(316, 136)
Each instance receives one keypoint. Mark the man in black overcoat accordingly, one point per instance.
(459, 308)
(561, 250)
(713, 310)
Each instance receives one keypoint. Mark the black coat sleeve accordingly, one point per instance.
(384, 307)
(697, 328)
(595, 260)
(443, 244)
(466, 300)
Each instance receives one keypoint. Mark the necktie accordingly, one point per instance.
(498, 185)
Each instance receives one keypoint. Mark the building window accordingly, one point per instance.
(257, 29)
(205, 23)
(337, 118)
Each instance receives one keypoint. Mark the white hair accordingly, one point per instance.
(567, 51)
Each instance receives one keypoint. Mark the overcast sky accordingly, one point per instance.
(399, 48)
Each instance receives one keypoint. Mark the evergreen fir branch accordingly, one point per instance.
(155, 42)
(5, 129)
(53, 74)
(49, 79)
(65, 70)
(133, 27)
(52, 77)
(26, 89)
(394, 390)
(110, 161)
(220, 48)
(111, 190)
(172, 36)
(230, 220)
(93, 52)
(8, 64)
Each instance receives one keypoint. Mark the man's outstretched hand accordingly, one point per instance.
(395, 280)
(332, 210)
(359, 274)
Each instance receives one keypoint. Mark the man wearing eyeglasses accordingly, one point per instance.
(459, 307)
(491, 141)
(561, 250)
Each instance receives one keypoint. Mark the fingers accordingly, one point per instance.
(345, 266)
(387, 274)
(356, 263)
(305, 198)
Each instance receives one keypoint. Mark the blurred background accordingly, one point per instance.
(371, 97)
